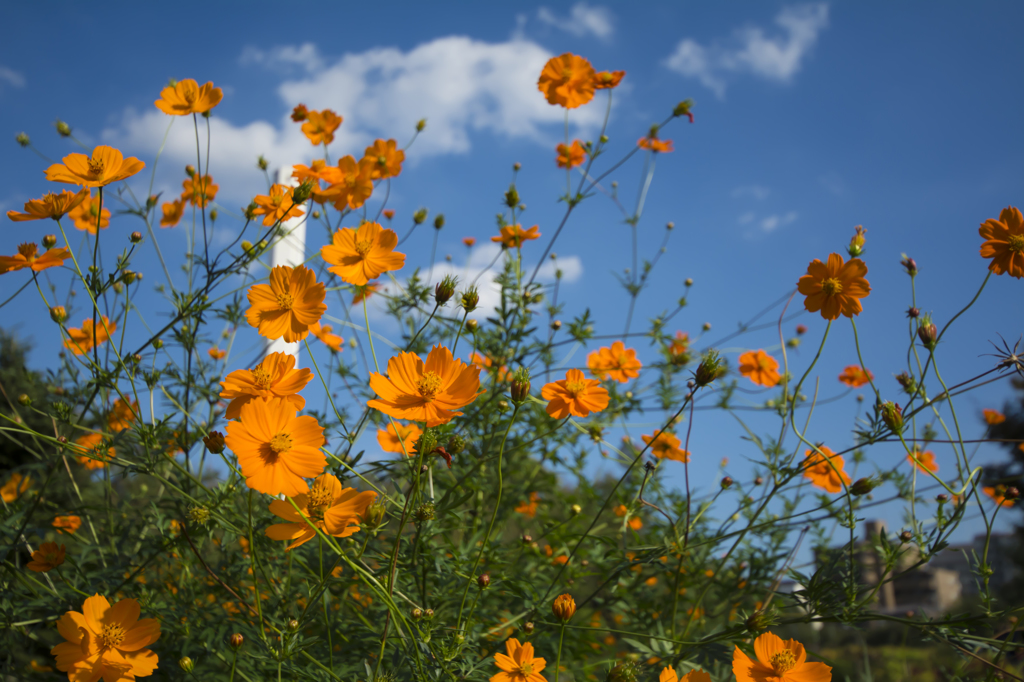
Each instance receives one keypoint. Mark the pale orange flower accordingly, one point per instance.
(667, 446)
(519, 665)
(27, 258)
(760, 368)
(998, 495)
(567, 80)
(15, 486)
(123, 414)
(83, 340)
(88, 213)
(1004, 242)
(385, 158)
(334, 509)
(323, 332)
(570, 156)
(389, 213)
(669, 675)
(635, 522)
(856, 376)
(614, 362)
(513, 236)
(399, 438)
(188, 97)
(93, 456)
(364, 292)
(364, 253)
(320, 126)
(529, 509)
(314, 171)
(993, 417)
(654, 144)
(287, 306)
(469, 241)
(217, 353)
(925, 461)
(604, 80)
(107, 642)
(574, 395)
(172, 212)
(350, 183)
(67, 524)
(106, 165)
(486, 364)
(49, 556)
(428, 392)
(277, 206)
(680, 344)
(778, 661)
(52, 206)
(275, 377)
(199, 190)
(834, 288)
(817, 469)
(276, 449)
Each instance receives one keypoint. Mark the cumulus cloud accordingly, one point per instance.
(583, 20)
(11, 77)
(751, 50)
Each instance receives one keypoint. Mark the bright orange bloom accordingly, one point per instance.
(27, 258)
(276, 449)
(83, 340)
(635, 522)
(856, 376)
(513, 236)
(653, 143)
(351, 183)
(574, 395)
(389, 213)
(669, 675)
(52, 205)
(925, 461)
(314, 171)
(105, 641)
(680, 344)
(567, 80)
(364, 292)
(329, 506)
(67, 524)
(529, 509)
(172, 212)
(275, 377)
(188, 97)
(364, 253)
(760, 368)
(778, 661)
(486, 364)
(14, 487)
(666, 446)
(998, 495)
(386, 159)
(399, 438)
(519, 665)
(123, 414)
(834, 288)
(821, 474)
(1004, 242)
(323, 332)
(199, 190)
(217, 353)
(88, 213)
(615, 362)
(106, 165)
(49, 556)
(469, 241)
(604, 80)
(93, 457)
(428, 392)
(993, 417)
(320, 126)
(570, 156)
(277, 206)
(289, 305)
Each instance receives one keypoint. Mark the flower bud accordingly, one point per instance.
(906, 536)
(576, 510)
(63, 129)
(262, 163)
(726, 482)
(759, 621)
(128, 277)
(375, 513)
(250, 211)
(470, 299)
(863, 486)
(892, 415)
(445, 289)
(302, 192)
(421, 125)
(471, 325)
(22, 139)
(236, 640)
(190, 170)
(909, 264)
(927, 332)
(520, 386)
(213, 214)
(512, 197)
(58, 314)
(24, 400)
(214, 442)
(429, 613)
(135, 237)
(908, 383)
(49, 241)
(942, 498)
(710, 368)
(528, 627)
(417, 614)
(913, 312)
(793, 343)
(563, 607)
(856, 247)
(683, 109)
(198, 514)
(517, 166)
(456, 444)
(185, 663)
(246, 245)
(419, 216)
(293, 625)
(1011, 492)
(483, 580)
(439, 221)
(625, 671)
(158, 343)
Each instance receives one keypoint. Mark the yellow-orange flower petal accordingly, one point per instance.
(83, 340)
(614, 362)
(14, 487)
(821, 474)
(172, 212)
(778, 660)
(513, 236)
(277, 205)
(430, 392)
(104, 166)
(288, 306)
(925, 461)
(106, 642)
(188, 97)
(1004, 242)
(324, 333)
(320, 126)
(570, 156)
(385, 159)
(49, 556)
(666, 445)
(52, 205)
(334, 509)
(575, 395)
(518, 664)
(760, 368)
(399, 438)
(361, 254)
(835, 288)
(274, 377)
(856, 376)
(27, 258)
(89, 214)
(567, 80)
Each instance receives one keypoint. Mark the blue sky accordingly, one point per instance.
(810, 119)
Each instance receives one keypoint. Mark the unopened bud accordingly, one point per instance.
(250, 211)
(520, 386)
(909, 264)
(913, 312)
(293, 625)
(483, 581)
(576, 510)
(158, 343)
(456, 445)
(58, 314)
(421, 125)
(512, 197)
(470, 299)
(22, 139)
(127, 276)
(24, 400)
(190, 170)
(892, 415)
(906, 536)
(528, 627)
(213, 214)
(375, 513)
(758, 481)
(863, 486)
(49, 241)
(1011, 492)
(439, 221)
(63, 129)
(710, 368)
(908, 383)
(563, 607)
(236, 640)
(683, 109)
(429, 613)
(417, 614)
(471, 325)
(302, 192)
(759, 621)
(726, 482)
(425, 512)
(419, 216)
(214, 442)
(445, 289)
(262, 163)
(927, 332)
(186, 664)
(942, 498)
(135, 237)
(856, 247)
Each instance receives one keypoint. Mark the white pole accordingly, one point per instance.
(289, 250)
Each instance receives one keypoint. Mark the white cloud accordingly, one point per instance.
(753, 191)
(773, 222)
(12, 77)
(747, 217)
(751, 50)
(284, 58)
(583, 20)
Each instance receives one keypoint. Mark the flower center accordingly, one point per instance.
(429, 385)
(784, 661)
(363, 247)
(285, 301)
(832, 286)
(96, 166)
(574, 388)
(28, 250)
(526, 668)
(111, 636)
(190, 96)
(319, 501)
(281, 442)
(261, 377)
(1016, 243)
(382, 160)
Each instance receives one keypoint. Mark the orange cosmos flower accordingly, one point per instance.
(855, 376)
(107, 642)
(364, 292)
(52, 206)
(329, 506)
(635, 522)
(217, 353)
(27, 258)
(666, 446)
(83, 340)
(519, 665)
(287, 306)
(513, 236)
(122, 415)
(529, 509)
(88, 213)
(486, 364)
(351, 183)
(389, 213)
(106, 165)
(567, 80)
(67, 524)
(276, 449)
(604, 80)
(323, 332)
(575, 395)
(364, 253)
(188, 97)
(998, 495)
(314, 171)
(760, 368)
(172, 212)
(386, 159)
(778, 661)
(654, 144)
(821, 474)
(669, 675)
(320, 126)
(299, 113)
(49, 556)
(570, 156)
(834, 288)
(399, 438)
(1004, 242)
(14, 487)
(93, 456)
(925, 461)
(993, 417)
(469, 241)
(428, 392)
(615, 362)
(199, 190)
(277, 206)
(680, 344)
(275, 377)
